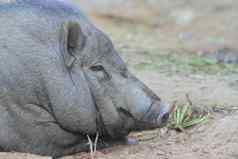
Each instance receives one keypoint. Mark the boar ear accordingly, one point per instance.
(72, 41)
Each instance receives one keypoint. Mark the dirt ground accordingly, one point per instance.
(211, 141)
(167, 57)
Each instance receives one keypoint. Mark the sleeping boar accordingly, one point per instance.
(61, 79)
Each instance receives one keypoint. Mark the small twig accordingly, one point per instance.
(93, 146)
(189, 100)
(173, 107)
(96, 142)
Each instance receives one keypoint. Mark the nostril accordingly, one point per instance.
(165, 118)
(164, 113)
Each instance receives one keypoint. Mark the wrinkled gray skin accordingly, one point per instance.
(60, 79)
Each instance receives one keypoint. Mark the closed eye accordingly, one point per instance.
(124, 72)
(97, 68)
(100, 72)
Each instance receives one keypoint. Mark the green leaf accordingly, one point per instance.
(184, 111)
(188, 115)
(195, 122)
(177, 116)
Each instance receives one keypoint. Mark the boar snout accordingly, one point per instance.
(156, 116)
(163, 115)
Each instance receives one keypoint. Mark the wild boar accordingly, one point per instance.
(61, 79)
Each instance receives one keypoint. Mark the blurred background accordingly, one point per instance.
(191, 25)
(177, 47)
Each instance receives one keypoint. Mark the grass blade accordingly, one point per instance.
(195, 122)
(184, 112)
(178, 115)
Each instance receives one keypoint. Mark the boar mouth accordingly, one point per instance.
(143, 123)
(112, 132)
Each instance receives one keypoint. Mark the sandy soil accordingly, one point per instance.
(211, 141)
(207, 90)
